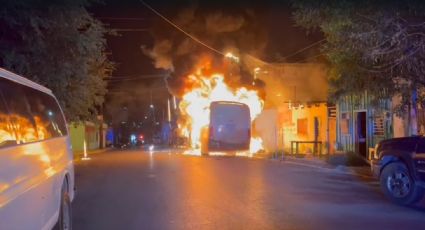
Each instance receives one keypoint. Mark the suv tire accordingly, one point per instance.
(398, 185)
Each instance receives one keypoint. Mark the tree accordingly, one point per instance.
(60, 45)
(378, 46)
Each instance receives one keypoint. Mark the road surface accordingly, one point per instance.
(134, 189)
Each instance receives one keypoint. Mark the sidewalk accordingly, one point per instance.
(316, 161)
(321, 162)
(78, 155)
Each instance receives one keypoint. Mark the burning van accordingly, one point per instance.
(229, 128)
(216, 117)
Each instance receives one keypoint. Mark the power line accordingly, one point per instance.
(312, 57)
(180, 29)
(305, 48)
(212, 48)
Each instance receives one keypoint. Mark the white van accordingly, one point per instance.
(36, 161)
(229, 128)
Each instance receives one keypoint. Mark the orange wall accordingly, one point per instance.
(288, 124)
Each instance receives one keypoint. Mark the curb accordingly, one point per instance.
(321, 164)
(78, 155)
(361, 172)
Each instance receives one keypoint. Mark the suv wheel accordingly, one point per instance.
(65, 212)
(398, 185)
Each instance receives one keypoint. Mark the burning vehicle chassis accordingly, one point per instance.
(215, 116)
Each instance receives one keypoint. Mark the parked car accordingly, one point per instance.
(400, 166)
(36, 161)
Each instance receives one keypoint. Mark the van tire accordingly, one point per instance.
(65, 212)
(399, 186)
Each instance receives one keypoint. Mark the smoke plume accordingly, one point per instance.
(235, 30)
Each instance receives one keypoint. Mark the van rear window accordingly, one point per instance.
(20, 117)
(7, 135)
(46, 113)
(31, 115)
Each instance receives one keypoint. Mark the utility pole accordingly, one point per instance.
(101, 118)
(152, 107)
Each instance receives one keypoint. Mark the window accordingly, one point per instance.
(7, 135)
(19, 114)
(47, 115)
(345, 124)
(33, 115)
(378, 126)
(302, 126)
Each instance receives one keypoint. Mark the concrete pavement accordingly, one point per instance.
(163, 190)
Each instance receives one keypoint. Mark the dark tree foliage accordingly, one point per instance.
(372, 45)
(58, 44)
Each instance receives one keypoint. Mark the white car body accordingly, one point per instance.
(32, 173)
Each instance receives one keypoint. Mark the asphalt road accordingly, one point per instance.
(164, 190)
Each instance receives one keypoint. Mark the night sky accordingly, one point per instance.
(136, 26)
(283, 36)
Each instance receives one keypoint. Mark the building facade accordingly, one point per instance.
(89, 134)
(296, 108)
(361, 124)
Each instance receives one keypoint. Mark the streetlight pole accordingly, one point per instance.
(152, 107)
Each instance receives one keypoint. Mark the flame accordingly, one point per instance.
(203, 89)
(22, 129)
(19, 129)
(256, 145)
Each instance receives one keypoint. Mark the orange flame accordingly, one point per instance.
(195, 105)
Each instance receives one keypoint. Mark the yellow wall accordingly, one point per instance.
(290, 129)
(84, 131)
(77, 135)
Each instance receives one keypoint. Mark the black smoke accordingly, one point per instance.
(235, 29)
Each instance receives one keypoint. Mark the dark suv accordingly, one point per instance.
(400, 166)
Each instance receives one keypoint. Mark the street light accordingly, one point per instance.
(232, 57)
(256, 72)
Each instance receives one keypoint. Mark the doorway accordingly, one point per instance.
(361, 134)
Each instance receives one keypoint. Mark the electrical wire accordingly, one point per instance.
(305, 48)
(206, 45)
(312, 57)
(182, 30)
